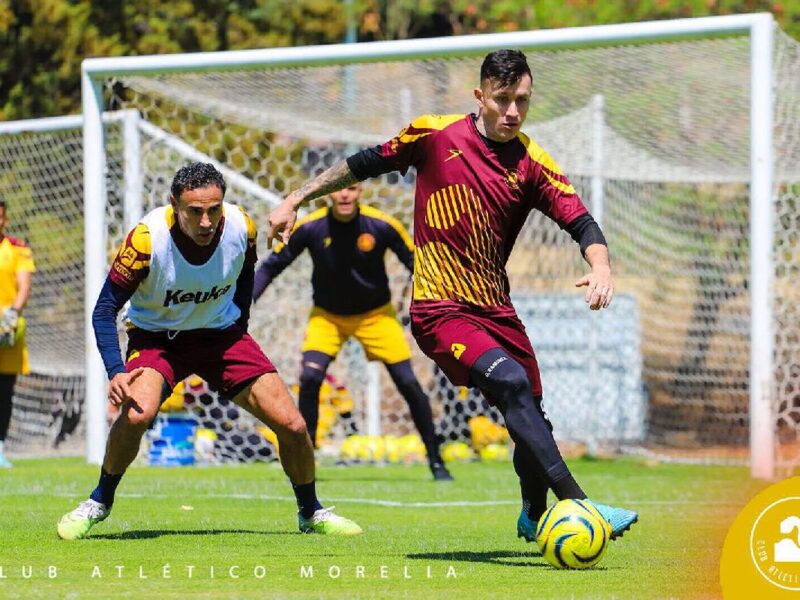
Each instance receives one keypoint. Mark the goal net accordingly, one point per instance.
(656, 137)
(41, 181)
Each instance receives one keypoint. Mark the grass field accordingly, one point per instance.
(421, 540)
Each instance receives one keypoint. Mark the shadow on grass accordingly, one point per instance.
(157, 533)
(497, 557)
(389, 478)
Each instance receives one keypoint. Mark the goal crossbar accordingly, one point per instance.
(543, 39)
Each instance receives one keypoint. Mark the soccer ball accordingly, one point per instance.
(573, 535)
(459, 451)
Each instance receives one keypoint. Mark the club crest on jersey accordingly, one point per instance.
(175, 297)
(128, 256)
(365, 242)
(513, 179)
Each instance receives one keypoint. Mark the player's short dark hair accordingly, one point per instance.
(505, 66)
(194, 176)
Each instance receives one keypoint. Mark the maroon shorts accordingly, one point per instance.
(228, 359)
(454, 336)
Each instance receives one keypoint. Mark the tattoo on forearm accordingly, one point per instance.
(336, 178)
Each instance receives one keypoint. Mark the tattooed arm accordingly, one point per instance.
(281, 220)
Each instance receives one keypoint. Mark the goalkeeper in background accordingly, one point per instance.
(16, 275)
(187, 269)
(347, 243)
(478, 178)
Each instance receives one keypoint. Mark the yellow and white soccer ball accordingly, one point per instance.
(457, 451)
(495, 453)
(573, 535)
(351, 448)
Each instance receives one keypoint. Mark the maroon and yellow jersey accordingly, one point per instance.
(472, 199)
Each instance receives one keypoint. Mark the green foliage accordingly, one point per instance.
(42, 42)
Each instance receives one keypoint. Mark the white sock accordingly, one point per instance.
(1, 446)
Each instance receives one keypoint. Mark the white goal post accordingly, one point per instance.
(760, 28)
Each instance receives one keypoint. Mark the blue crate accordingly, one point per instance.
(172, 442)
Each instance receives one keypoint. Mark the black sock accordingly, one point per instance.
(531, 485)
(307, 503)
(419, 406)
(106, 488)
(564, 485)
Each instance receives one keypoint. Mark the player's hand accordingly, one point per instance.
(282, 219)
(599, 287)
(119, 388)
(8, 327)
(10, 319)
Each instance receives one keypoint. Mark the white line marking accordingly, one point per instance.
(372, 501)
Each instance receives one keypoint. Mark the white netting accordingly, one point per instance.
(663, 128)
(41, 181)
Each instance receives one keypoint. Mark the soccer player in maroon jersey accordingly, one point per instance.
(478, 177)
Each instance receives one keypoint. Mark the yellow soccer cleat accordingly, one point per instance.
(76, 524)
(326, 522)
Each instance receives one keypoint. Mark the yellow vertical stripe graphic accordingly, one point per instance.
(430, 218)
(441, 274)
(456, 274)
(450, 206)
(440, 201)
(422, 278)
(425, 285)
(436, 266)
(444, 286)
(429, 276)
(484, 253)
(477, 249)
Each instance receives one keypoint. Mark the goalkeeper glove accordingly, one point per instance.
(10, 319)
(8, 327)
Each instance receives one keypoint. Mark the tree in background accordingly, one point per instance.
(42, 42)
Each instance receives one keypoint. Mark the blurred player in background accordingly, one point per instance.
(188, 269)
(347, 243)
(16, 275)
(478, 177)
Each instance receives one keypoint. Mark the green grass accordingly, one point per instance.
(244, 517)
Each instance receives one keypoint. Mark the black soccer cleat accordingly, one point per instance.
(440, 472)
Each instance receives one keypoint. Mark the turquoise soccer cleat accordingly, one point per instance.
(76, 524)
(4, 462)
(326, 522)
(620, 519)
(525, 527)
